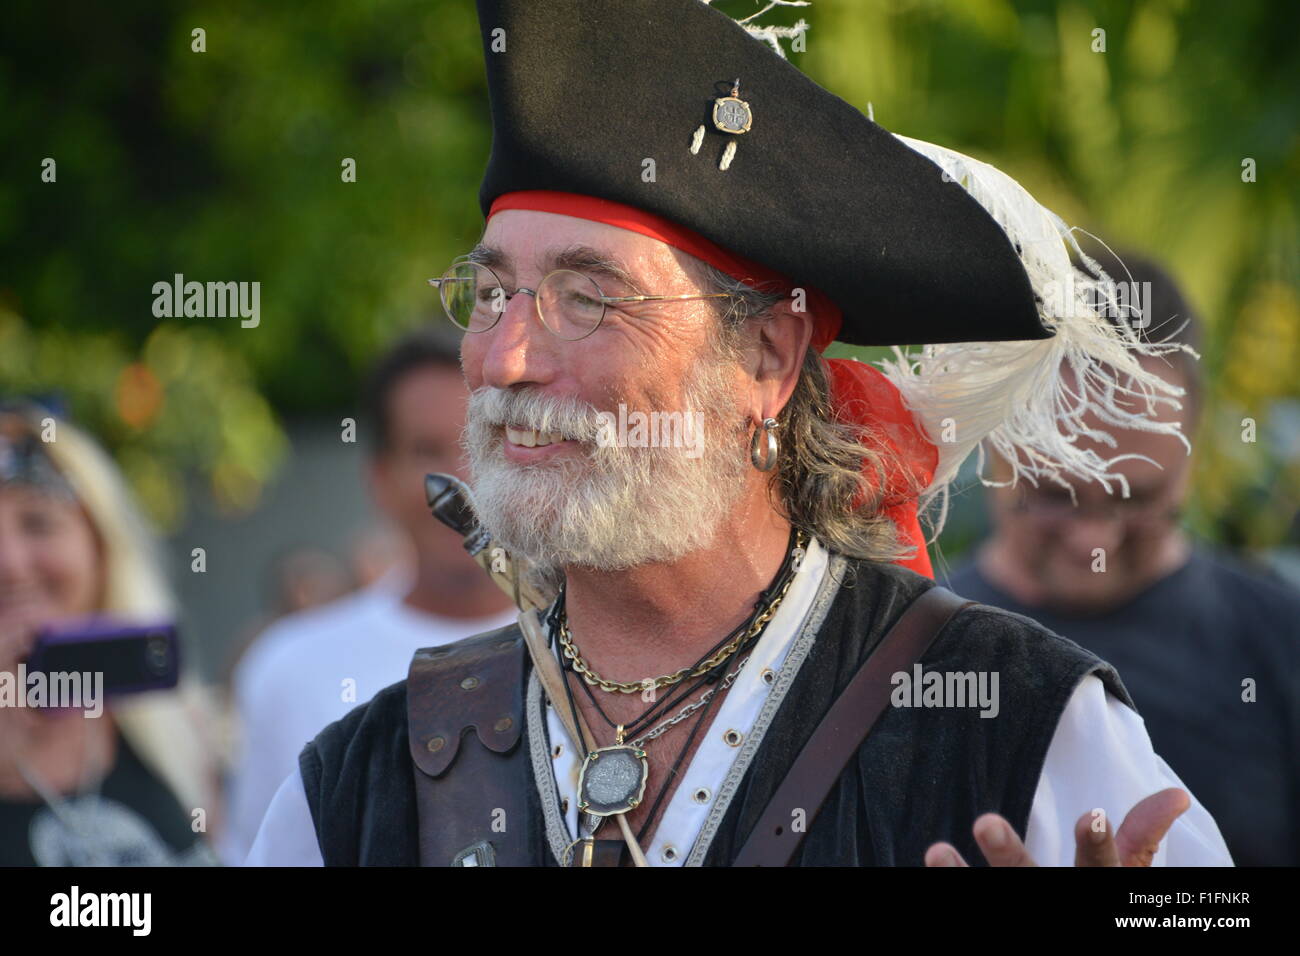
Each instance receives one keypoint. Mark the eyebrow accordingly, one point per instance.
(489, 256)
(579, 258)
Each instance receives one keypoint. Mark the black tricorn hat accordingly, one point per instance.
(583, 93)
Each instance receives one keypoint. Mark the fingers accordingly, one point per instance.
(999, 842)
(1135, 844)
(944, 854)
(996, 839)
(17, 634)
(1094, 840)
(1147, 823)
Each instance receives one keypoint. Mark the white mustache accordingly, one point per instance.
(534, 410)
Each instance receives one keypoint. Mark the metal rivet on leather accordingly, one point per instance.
(502, 725)
(701, 795)
(469, 683)
(732, 738)
(434, 744)
(669, 853)
(768, 675)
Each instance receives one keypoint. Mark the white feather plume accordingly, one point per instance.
(1026, 400)
(773, 35)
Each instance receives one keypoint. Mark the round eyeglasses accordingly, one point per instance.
(569, 304)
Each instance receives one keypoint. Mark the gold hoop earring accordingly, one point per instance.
(764, 459)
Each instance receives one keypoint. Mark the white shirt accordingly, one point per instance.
(310, 669)
(1099, 757)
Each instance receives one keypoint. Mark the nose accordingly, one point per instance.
(1082, 534)
(517, 350)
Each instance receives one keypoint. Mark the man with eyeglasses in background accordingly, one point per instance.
(1207, 647)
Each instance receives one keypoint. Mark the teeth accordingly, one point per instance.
(531, 438)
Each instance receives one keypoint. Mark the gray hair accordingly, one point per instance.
(824, 464)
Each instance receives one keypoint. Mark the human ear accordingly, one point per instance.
(783, 339)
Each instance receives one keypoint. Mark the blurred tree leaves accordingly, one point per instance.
(225, 166)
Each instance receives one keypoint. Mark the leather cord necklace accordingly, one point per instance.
(668, 702)
(590, 823)
(613, 779)
(672, 771)
(764, 606)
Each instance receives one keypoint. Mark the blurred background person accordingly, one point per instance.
(300, 578)
(312, 668)
(1209, 649)
(375, 552)
(78, 790)
(307, 577)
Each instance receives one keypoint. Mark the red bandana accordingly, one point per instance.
(859, 392)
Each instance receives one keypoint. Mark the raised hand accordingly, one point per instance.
(1096, 842)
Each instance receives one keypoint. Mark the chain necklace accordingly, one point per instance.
(612, 780)
(690, 708)
(675, 696)
(580, 665)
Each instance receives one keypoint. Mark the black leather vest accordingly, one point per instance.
(924, 774)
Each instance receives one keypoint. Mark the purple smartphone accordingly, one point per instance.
(132, 657)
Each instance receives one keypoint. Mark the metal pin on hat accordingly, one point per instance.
(731, 115)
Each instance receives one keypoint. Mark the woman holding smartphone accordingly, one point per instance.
(134, 784)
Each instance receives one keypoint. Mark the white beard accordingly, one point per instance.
(614, 507)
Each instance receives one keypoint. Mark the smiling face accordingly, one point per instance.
(544, 485)
(49, 556)
(1057, 547)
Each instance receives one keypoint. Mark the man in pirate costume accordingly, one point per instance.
(740, 656)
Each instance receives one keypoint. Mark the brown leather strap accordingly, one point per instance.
(846, 725)
(548, 672)
(465, 714)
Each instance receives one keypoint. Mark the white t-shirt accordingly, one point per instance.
(311, 668)
(1099, 757)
